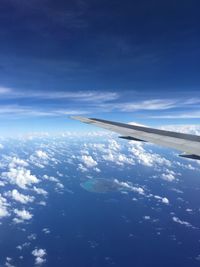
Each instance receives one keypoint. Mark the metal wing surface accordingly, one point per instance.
(187, 143)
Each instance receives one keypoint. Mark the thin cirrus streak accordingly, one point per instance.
(9, 93)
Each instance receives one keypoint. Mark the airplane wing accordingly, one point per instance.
(187, 143)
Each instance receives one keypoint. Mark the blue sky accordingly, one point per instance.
(122, 60)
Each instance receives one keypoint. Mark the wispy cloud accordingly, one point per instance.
(177, 220)
(90, 95)
(154, 104)
(23, 111)
(5, 90)
(178, 115)
(61, 103)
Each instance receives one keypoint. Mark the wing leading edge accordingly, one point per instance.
(187, 143)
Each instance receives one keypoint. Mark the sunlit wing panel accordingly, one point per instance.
(187, 143)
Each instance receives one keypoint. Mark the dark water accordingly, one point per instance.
(115, 228)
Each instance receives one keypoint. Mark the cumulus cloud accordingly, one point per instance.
(22, 215)
(40, 158)
(117, 158)
(169, 176)
(16, 162)
(59, 186)
(42, 203)
(81, 168)
(177, 220)
(112, 152)
(186, 166)
(88, 161)
(32, 237)
(8, 262)
(164, 200)
(113, 145)
(2, 183)
(46, 230)
(24, 199)
(50, 178)
(3, 207)
(130, 187)
(24, 245)
(40, 191)
(41, 154)
(20, 176)
(145, 158)
(39, 255)
(189, 210)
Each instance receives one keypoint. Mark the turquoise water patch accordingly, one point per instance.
(100, 185)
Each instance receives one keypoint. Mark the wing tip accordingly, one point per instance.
(82, 119)
(190, 156)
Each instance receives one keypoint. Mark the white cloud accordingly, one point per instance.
(81, 168)
(198, 258)
(177, 220)
(165, 200)
(185, 166)
(87, 96)
(40, 158)
(24, 199)
(147, 217)
(59, 174)
(22, 215)
(39, 255)
(41, 154)
(42, 203)
(169, 176)
(50, 178)
(111, 152)
(20, 176)
(59, 186)
(3, 207)
(88, 161)
(8, 262)
(113, 145)
(5, 90)
(177, 190)
(184, 128)
(109, 157)
(178, 115)
(117, 158)
(15, 162)
(153, 104)
(25, 111)
(189, 210)
(46, 230)
(145, 158)
(2, 183)
(158, 104)
(24, 245)
(32, 237)
(40, 191)
(130, 187)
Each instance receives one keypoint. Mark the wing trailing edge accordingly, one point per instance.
(187, 143)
